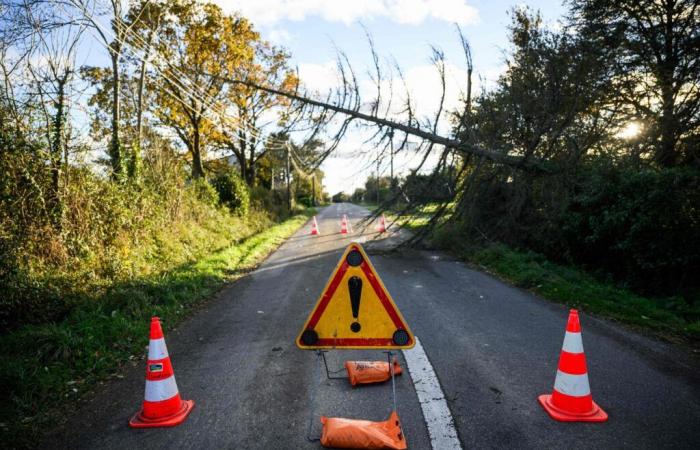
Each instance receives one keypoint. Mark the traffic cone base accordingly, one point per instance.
(141, 421)
(596, 414)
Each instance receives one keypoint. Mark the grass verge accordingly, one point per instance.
(46, 366)
(672, 317)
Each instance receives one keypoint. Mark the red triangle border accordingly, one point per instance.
(381, 294)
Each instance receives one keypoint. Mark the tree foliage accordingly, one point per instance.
(241, 128)
(77, 207)
(653, 46)
(200, 44)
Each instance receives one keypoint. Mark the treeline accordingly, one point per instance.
(413, 189)
(113, 171)
(608, 110)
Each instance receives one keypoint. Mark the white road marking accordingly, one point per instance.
(437, 416)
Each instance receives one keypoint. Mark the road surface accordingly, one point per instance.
(492, 350)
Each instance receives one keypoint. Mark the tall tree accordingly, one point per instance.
(101, 81)
(198, 47)
(656, 46)
(88, 13)
(146, 18)
(26, 186)
(243, 125)
(50, 47)
(142, 22)
(549, 103)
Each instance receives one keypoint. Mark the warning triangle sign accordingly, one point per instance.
(355, 311)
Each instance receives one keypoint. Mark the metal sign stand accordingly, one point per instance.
(328, 372)
(393, 384)
(323, 330)
(312, 399)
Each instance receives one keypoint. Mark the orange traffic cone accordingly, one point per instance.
(381, 228)
(571, 399)
(344, 225)
(348, 433)
(348, 223)
(162, 405)
(314, 227)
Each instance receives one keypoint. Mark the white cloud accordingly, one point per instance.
(422, 81)
(416, 11)
(354, 160)
(319, 78)
(279, 36)
(413, 12)
(488, 77)
(425, 87)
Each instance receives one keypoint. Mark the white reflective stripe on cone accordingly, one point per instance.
(572, 385)
(157, 391)
(572, 343)
(157, 349)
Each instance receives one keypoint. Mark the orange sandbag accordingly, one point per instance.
(350, 433)
(365, 372)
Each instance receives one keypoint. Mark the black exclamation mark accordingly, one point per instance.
(355, 288)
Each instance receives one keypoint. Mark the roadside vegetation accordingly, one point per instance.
(671, 317)
(103, 325)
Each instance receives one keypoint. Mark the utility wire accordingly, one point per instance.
(252, 131)
(192, 92)
(180, 76)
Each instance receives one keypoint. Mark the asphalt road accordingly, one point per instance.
(494, 349)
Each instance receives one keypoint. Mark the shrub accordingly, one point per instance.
(273, 201)
(233, 191)
(358, 196)
(306, 201)
(109, 233)
(205, 191)
(640, 225)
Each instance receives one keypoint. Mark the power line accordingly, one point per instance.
(192, 92)
(212, 101)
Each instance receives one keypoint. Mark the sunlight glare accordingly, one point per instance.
(629, 131)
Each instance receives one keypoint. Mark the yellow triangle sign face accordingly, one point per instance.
(355, 311)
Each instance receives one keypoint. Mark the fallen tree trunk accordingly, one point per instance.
(500, 158)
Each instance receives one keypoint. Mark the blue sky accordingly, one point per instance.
(402, 29)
